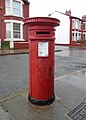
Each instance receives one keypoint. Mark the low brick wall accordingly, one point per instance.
(21, 45)
(0, 43)
(84, 44)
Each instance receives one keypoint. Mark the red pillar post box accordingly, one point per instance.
(41, 34)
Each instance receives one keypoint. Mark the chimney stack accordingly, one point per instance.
(68, 12)
(84, 17)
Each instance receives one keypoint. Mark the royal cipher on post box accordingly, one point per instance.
(41, 35)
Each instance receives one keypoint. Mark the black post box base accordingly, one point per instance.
(41, 102)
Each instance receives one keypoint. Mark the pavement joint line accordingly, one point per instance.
(58, 99)
(7, 98)
(73, 73)
(13, 53)
(3, 107)
(65, 106)
(11, 96)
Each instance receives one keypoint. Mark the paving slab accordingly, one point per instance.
(3, 114)
(71, 88)
(69, 92)
(20, 108)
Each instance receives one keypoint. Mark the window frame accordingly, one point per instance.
(75, 24)
(84, 26)
(21, 30)
(11, 8)
(73, 36)
(17, 31)
(16, 9)
(7, 8)
(8, 23)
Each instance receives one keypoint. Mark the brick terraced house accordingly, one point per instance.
(72, 30)
(78, 31)
(13, 32)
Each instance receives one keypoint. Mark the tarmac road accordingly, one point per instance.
(14, 69)
(14, 73)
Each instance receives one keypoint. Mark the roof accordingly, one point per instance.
(75, 17)
(78, 18)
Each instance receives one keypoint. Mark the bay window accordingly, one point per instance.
(14, 30)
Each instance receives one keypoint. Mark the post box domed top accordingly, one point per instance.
(42, 21)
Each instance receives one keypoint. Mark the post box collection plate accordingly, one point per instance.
(43, 49)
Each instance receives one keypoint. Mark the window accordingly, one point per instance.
(84, 36)
(84, 26)
(8, 30)
(75, 24)
(79, 36)
(72, 36)
(76, 35)
(16, 30)
(16, 8)
(7, 6)
(80, 25)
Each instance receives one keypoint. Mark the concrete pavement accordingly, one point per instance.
(13, 51)
(70, 93)
(17, 51)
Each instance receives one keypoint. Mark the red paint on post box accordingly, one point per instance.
(41, 34)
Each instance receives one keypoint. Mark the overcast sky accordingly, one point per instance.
(45, 7)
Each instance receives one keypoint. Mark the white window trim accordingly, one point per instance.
(14, 21)
(15, 39)
(9, 39)
(19, 1)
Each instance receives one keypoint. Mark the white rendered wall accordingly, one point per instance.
(63, 31)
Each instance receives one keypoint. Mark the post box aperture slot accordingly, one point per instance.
(42, 33)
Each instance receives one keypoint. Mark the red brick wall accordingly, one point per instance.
(26, 10)
(2, 25)
(21, 45)
(2, 18)
(26, 14)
